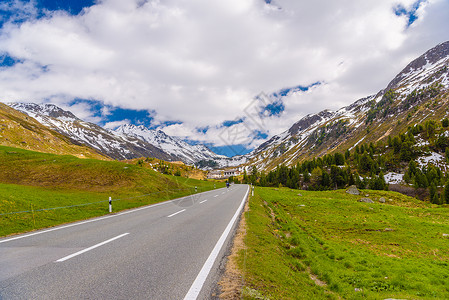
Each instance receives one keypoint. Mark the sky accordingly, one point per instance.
(229, 74)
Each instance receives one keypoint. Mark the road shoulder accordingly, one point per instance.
(232, 281)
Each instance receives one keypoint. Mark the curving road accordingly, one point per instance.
(170, 250)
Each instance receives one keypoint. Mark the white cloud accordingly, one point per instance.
(201, 62)
(19, 10)
(81, 110)
(115, 124)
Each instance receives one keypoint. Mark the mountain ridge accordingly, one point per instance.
(371, 118)
(126, 142)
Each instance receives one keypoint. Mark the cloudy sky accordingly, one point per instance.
(231, 72)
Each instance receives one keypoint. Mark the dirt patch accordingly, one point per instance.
(385, 134)
(273, 216)
(315, 278)
(232, 282)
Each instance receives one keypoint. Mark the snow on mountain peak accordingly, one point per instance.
(171, 145)
(47, 110)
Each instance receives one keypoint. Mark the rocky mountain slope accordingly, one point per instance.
(418, 93)
(126, 142)
(89, 134)
(22, 131)
(171, 145)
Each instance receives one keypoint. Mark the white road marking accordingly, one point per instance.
(176, 213)
(197, 285)
(203, 201)
(90, 248)
(215, 196)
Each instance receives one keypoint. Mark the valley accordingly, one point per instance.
(305, 236)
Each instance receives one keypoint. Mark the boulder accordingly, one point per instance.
(366, 200)
(382, 200)
(353, 190)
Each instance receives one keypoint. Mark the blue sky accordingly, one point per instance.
(410, 12)
(229, 74)
(74, 7)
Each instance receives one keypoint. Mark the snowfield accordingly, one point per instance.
(393, 178)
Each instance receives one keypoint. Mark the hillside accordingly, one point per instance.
(419, 93)
(329, 245)
(176, 168)
(126, 142)
(22, 131)
(90, 134)
(40, 190)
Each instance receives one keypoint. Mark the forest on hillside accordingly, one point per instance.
(365, 166)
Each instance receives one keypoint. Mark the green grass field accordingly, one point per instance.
(32, 181)
(328, 245)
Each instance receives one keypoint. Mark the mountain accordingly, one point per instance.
(22, 131)
(126, 142)
(418, 93)
(89, 134)
(172, 145)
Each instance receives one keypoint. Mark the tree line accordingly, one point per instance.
(366, 164)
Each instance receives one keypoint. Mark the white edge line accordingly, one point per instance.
(176, 213)
(90, 248)
(203, 201)
(197, 285)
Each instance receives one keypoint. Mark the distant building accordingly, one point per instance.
(223, 174)
(231, 172)
(215, 174)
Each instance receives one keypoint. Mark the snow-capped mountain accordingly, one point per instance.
(126, 142)
(171, 145)
(92, 135)
(417, 93)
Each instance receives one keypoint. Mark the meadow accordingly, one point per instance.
(39, 190)
(327, 245)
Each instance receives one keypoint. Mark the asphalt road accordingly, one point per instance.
(162, 251)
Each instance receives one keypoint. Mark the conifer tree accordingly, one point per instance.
(446, 194)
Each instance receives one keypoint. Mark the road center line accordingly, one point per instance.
(203, 201)
(90, 248)
(197, 285)
(176, 213)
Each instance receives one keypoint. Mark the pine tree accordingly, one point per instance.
(446, 193)
(347, 154)
(446, 152)
(433, 192)
(445, 122)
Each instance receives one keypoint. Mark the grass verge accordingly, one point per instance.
(33, 181)
(327, 245)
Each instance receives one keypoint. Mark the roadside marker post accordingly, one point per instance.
(196, 189)
(110, 204)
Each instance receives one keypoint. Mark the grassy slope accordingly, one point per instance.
(360, 250)
(21, 131)
(30, 181)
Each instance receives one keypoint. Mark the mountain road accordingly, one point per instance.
(169, 250)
